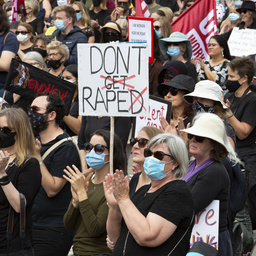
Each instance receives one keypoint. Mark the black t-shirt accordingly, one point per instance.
(211, 183)
(173, 202)
(244, 111)
(49, 212)
(26, 178)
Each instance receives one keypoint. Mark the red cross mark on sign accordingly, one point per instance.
(137, 98)
(121, 81)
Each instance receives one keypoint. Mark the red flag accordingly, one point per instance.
(199, 24)
(15, 7)
(141, 9)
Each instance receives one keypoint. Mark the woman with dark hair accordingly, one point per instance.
(216, 68)
(178, 47)
(72, 120)
(8, 48)
(39, 45)
(111, 32)
(88, 210)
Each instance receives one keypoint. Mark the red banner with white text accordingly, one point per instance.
(141, 9)
(15, 7)
(199, 24)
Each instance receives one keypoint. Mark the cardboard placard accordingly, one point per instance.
(113, 79)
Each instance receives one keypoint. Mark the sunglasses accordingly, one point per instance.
(98, 148)
(141, 142)
(77, 11)
(243, 11)
(114, 33)
(173, 91)
(158, 154)
(174, 43)
(21, 32)
(157, 28)
(124, 3)
(6, 130)
(34, 109)
(198, 139)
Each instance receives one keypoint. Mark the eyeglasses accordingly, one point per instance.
(98, 148)
(158, 154)
(172, 91)
(21, 32)
(198, 139)
(35, 109)
(213, 45)
(157, 28)
(53, 54)
(6, 130)
(77, 11)
(141, 142)
(243, 11)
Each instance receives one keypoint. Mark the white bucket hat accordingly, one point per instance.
(209, 126)
(208, 90)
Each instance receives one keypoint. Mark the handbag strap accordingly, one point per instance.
(6, 37)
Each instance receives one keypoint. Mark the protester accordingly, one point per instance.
(46, 5)
(8, 48)
(25, 38)
(138, 144)
(173, 91)
(207, 177)
(178, 47)
(98, 13)
(152, 5)
(168, 13)
(121, 10)
(39, 45)
(67, 32)
(157, 15)
(83, 21)
(88, 210)
(58, 54)
(73, 120)
(123, 23)
(19, 177)
(32, 8)
(162, 27)
(54, 152)
(111, 32)
(145, 224)
(216, 68)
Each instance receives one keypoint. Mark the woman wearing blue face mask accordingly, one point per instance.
(158, 219)
(83, 20)
(178, 47)
(162, 27)
(88, 210)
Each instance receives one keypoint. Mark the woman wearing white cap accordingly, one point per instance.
(207, 177)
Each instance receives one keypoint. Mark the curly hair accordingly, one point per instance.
(56, 45)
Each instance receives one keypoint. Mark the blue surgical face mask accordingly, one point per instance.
(60, 24)
(95, 161)
(154, 168)
(201, 108)
(233, 16)
(238, 3)
(78, 16)
(173, 51)
(10, 19)
(158, 33)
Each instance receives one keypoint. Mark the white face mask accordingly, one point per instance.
(22, 38)
(71, 81)
(62, 2)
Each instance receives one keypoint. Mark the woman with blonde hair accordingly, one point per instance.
(83, 21)
(57, 54)
(162, 27)
(20, 180)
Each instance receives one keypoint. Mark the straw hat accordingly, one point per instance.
(209, 126)
(208, 90)
(112, 25)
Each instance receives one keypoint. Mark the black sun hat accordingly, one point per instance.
(247, 5)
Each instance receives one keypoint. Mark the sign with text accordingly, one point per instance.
(113, 79)
(157, 107)
(242, 42)
(141, 30)
(206, 227)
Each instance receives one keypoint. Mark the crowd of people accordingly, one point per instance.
(58, 195)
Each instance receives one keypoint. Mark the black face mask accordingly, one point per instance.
(125, 7)
(232, 86)
(201, 108)
(96, 2)
(7, 140)
(41, 51)
(55, 64)
(110, 37)
(37, 121)
(148, 1)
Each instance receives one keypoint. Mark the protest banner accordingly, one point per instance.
(199, 24)
(206, 227)
(141, 9)
(242, 42)
(113, 79)
(15, 8)
(29, 81)
(157, 107)
(141, 30)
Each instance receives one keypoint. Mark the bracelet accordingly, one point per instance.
(230, 116)
(5, 183)
(4, 180)
(98, 27)
(41, 162)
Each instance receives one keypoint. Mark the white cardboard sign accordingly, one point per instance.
(242, 42)
(113, 79)
(206, 227)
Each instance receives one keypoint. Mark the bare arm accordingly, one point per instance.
(48, 9)
(5, 60)
(73, 123)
